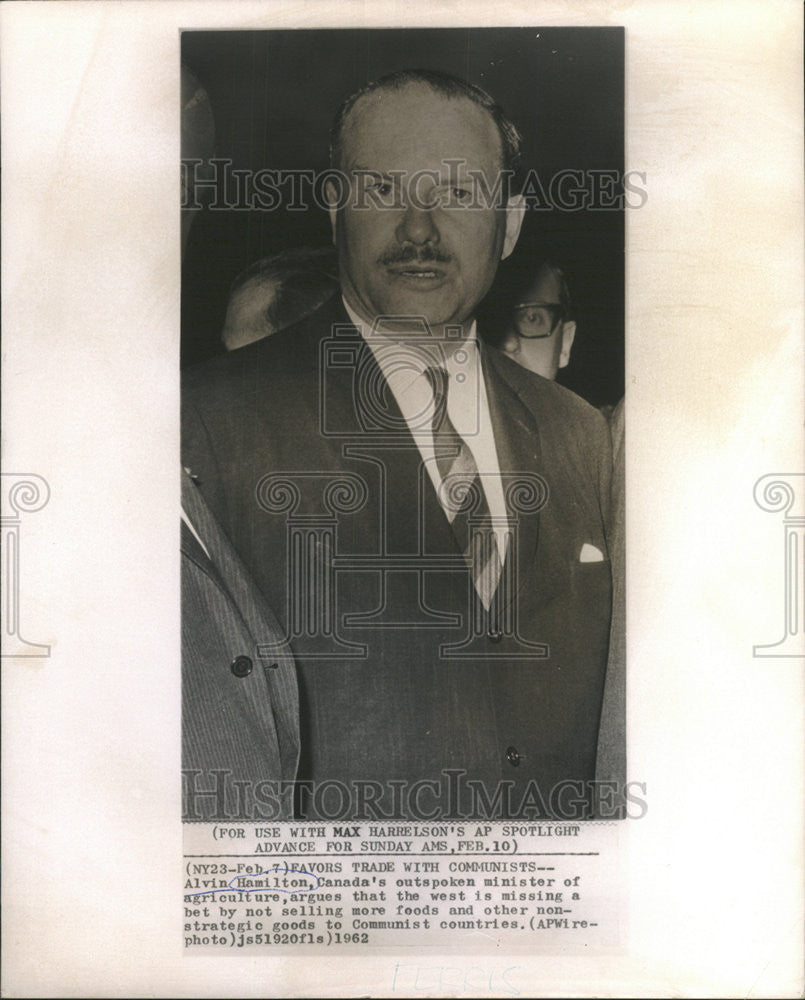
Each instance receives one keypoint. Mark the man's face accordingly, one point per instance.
(412, 248)
(543, 355)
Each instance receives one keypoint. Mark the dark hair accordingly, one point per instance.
(447, 86)
(303, 277)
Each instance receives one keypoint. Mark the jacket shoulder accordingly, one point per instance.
(550, 402)
(289, 351)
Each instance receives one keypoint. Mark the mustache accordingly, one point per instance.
(413, 255)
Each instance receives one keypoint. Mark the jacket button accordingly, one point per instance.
(241, 666)
(494, 635)
(513, 757)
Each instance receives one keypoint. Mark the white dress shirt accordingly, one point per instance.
(402, 359)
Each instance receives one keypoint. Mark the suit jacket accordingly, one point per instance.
(240, 707)
(303, 455)
(611, 763)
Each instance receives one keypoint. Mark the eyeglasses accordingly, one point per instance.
(537, 319)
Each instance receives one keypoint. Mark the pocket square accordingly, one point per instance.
(589, 553)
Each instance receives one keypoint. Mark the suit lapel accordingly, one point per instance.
(353, 390)
(189, 545)
(518, 448)
(201, 519)
(192, 549)
(272, 692)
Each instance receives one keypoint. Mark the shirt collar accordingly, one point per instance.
(403, 361)
(415, 354)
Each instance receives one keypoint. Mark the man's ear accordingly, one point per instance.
(515, 212)
(568, 336)
(331, 195)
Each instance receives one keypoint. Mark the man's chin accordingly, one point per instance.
(401, 313)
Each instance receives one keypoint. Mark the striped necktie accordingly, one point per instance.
(462, 495)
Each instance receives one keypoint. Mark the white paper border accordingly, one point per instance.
(714, 375)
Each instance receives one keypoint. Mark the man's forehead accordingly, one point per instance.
(416, 123)
(545, 287)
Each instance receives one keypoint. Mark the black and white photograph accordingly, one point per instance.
(348, 648)
(402, 347)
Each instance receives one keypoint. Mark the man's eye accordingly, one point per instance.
(450, 197)
(537, 318)
(383, 188)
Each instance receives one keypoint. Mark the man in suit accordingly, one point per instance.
(240, 703)
(529, 313)
(240, 707)
(426, 517)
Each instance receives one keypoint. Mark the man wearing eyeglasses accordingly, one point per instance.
(529, 316)
(541, 330)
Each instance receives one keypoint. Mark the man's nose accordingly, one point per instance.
(511, 343)
(417, 226)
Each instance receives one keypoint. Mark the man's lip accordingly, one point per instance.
(418, 272)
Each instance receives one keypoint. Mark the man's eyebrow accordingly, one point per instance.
(448, 170)
(464, 177)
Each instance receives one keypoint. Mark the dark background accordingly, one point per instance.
(274, 94)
